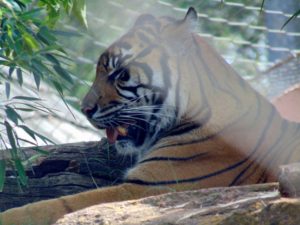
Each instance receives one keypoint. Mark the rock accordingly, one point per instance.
(281, 212)
(215, 206)
(289, 180)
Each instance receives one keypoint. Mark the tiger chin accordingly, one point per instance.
(163, 94)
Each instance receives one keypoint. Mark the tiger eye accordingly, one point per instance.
(124, 76)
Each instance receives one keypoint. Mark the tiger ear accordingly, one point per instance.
(191, 18)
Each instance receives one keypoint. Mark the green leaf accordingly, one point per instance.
(26, 98)
(4, 62)
(58, 87)
(68, 33)
(20, 4)
(27, 141)
(52, 59)
(291, 18)
(21, 171)
(24, 109)
(262, 5)
(11, 138)
(2, 173)
(30, 41)
(10, 71)
(42, 109)
(6, 4)
(46, 36)
(20, 76)
(41, 151)
(29, 15)
(39, 66)
(79, 12)
(34, 134)
(28, 162)
(30, 132)
(13, 115)
(7, 89)
(37, 79)
(44, 139)
(63, 73)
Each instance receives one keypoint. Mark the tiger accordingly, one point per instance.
(164, 95)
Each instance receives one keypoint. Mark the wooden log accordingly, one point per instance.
(243, 205)
(69, 169)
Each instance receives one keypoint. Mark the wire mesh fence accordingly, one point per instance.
(236, 28)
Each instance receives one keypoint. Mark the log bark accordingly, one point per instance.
(243, 205)
(69, 169)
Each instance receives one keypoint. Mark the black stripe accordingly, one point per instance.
(279, 139)
(145, 19)
(151, 31)
(166, 73)
(145, 52)
(173, 158)
(112, 77)
(122, 44)
(214, 82)
(202, 92)
(132, 89)
(184, 128)
(124, 96)
(260, 140)
(65, 204)
(148, 20)
(112, 104)
(104, 60)
(143, 37)
(146, 69)
(190, 142)
(203, 139)
(194, 179)
(123, 59)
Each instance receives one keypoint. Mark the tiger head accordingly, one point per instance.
(134, 94)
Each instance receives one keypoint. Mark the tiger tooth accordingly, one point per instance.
(122, 131)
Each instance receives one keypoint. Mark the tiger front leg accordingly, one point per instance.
(49, 211)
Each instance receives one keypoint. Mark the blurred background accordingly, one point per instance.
(251, 39)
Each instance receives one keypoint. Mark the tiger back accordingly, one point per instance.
(164, 95)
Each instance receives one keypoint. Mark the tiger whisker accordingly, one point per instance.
(147, 108)
(150, 113)
(134, 125)
(134, 119)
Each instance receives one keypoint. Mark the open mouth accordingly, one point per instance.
(135, 132)
(113, 133)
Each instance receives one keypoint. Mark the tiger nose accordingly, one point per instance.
(89, 111)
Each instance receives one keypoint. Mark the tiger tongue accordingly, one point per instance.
(111, 134)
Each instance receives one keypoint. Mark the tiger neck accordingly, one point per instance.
(260, 136)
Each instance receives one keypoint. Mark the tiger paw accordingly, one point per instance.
(40, 213)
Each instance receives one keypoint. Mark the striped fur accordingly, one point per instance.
(198, 123)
